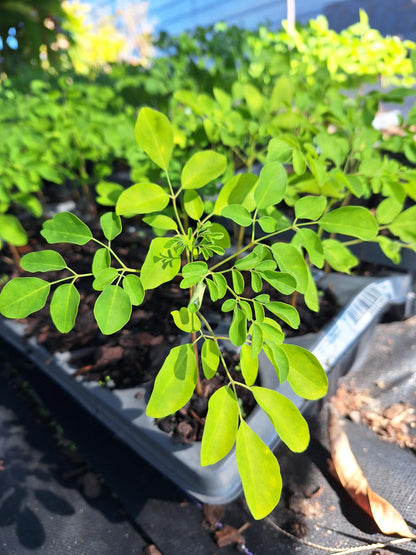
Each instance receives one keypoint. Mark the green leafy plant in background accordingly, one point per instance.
(196, 250)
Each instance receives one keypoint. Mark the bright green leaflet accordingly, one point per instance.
(64, 307)
(271, 186)
(193, 204)
(210, 358)
(287, 420)
(192, 273)
(142, 198)
(112, 309)
(11, 230)
(160, 265)
(404, 226)
(160, 221)
(238, 190)
(259, 472)
(22, 296)
(285, 312)
(104, 277)
(154, 134)
(310, 208)
(238, 281)
(186, 320)
(42, 261)
(339, 256)
(220, 426)
(174, 383)
(237, 214)
(202, 168)
(291, 260)
(101, 261)
(306, 376)
(355, 221)
(111, 225)
(249, 365)
(66, 228)
(238, 327)
(310, 240)
(132, 285)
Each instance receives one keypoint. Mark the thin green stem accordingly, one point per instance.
(174, 203)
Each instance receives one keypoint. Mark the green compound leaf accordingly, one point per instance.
(160, 221)
(271, 186)
(290, 260)
(64, 307)
(66, 228)
(238, 327)
(105, 277)
(285, 416)
(310, 207)
(259, 472)
(11, 230)
(278, 359)
(339, 256)
(132, 285)
(237, 214)
(282, 281)
(186, 320)
(101, 261)
(285, 312)
(238, 281)
(154, 134)
(174, 383)
(42, 261)
(23, 295)
(249, 365)
(193, 204)
(111, 225)
(210, 358)
(221, 426)
(112, 309)
(355, 221)
(142, 198)
(306, 376)
(160, 265)
(201, 168)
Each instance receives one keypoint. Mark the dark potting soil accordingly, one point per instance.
(135, 354)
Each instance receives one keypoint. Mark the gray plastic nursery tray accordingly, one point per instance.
(337, 347)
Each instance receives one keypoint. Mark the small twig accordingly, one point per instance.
(340, 551)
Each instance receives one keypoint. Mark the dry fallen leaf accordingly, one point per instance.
(387, 518)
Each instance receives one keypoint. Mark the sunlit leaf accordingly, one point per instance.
(201, 168)
(174, 383)
(112, 309)
(220, 426)
(66, 228)
(186, 320)
(23, 295)
(142, 198)
(259, 472)
(287, 420)
(306, 375)
(210, 357)
(154, 134)
(42, 261)
(64, 307)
